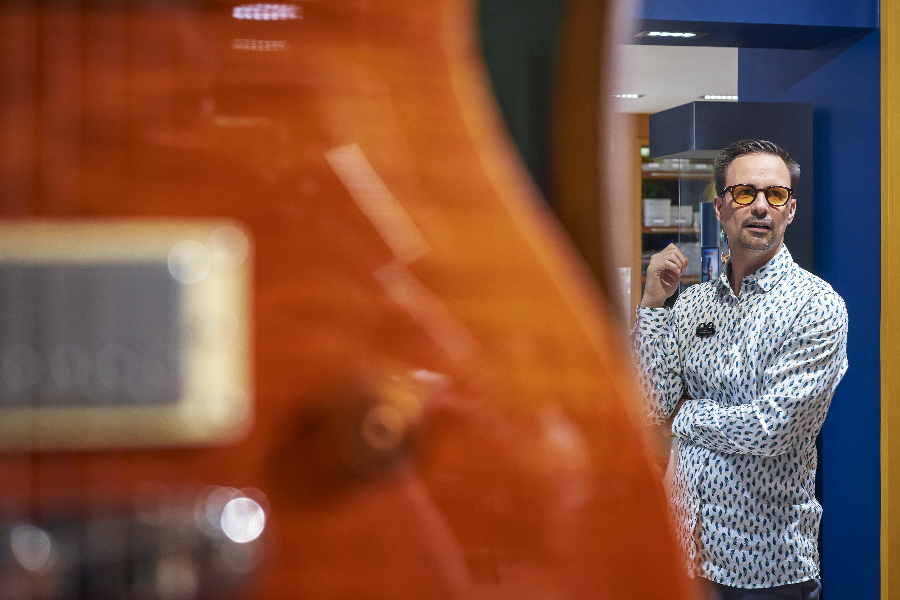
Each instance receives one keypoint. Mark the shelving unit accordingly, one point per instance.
(686, 183)
(676, 229)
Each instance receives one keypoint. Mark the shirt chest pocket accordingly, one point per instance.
(705, 365)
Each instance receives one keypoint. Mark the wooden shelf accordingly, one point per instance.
(673, 229)
(677, 175)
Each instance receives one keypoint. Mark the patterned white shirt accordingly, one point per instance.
(743, 493)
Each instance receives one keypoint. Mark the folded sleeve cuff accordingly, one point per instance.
(652, 321)
(691, 412)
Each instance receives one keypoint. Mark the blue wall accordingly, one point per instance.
(842, 81)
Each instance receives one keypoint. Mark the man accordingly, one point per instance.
(741, 370)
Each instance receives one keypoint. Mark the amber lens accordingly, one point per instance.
(743, 194)
(777, 195)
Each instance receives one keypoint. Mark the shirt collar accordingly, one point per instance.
(767, 275)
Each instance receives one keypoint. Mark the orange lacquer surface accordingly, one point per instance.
(403, 263)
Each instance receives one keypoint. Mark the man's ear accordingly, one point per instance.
(717, 204)
(791, 210)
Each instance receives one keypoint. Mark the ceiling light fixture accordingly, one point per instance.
(628, 95)
(717, 97)
(682, 34)
(671, 34)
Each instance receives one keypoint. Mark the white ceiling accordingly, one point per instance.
(670, 76)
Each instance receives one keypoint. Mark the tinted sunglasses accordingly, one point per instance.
(743, 194)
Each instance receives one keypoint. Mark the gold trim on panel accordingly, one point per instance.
(890, 308)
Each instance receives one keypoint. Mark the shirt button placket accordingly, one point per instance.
(730, 346)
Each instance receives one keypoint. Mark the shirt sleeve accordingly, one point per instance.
(657, 356)
(797, 388)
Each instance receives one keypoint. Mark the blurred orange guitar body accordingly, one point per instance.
(442, 405)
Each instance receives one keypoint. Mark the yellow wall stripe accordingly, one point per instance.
(890, 310)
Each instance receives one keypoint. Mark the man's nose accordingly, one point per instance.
(760, 204)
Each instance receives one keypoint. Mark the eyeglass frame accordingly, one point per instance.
(757, 190)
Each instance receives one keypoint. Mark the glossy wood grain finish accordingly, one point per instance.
(403, 262)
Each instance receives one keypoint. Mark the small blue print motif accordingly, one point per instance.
(743, 498)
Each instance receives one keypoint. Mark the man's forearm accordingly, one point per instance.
(656, 355)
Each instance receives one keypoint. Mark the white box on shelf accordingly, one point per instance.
(682, 215)
(657, 212)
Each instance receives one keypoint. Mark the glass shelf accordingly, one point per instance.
(674, 184)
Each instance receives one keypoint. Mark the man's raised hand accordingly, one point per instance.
(663, 275)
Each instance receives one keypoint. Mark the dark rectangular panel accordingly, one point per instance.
(799, 13)
(741, 35)
(701, 129)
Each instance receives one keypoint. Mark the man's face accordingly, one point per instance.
(757, 227)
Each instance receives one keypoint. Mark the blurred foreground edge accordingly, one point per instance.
(442, 404)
